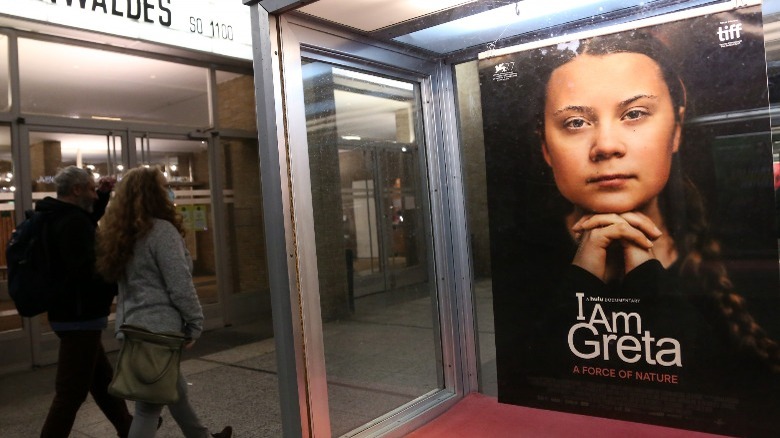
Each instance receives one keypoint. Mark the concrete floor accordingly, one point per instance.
(381, 358)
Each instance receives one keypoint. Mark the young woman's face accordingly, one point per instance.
(610, 131)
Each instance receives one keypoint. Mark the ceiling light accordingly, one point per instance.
(371, 78)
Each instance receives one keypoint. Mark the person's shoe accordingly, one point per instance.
(227, 432)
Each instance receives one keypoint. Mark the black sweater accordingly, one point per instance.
(550, 343)
(70, 236)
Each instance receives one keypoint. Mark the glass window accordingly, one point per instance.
(185, 164)
(5, 75)
(9, 319)
(84, 83)
(52, 151)
(366, 155)
(244, 210)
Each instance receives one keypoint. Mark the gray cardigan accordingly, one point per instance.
(156, 292)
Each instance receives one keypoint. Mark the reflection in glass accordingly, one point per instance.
(244, 212)
(86, 83)
(365, 152)
(185, 165)
(243, 202)
(51, 151)
(9, 319)
(5, 75)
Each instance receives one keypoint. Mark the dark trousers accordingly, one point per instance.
(83, 368)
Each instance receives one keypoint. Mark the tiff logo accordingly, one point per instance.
(729, 32)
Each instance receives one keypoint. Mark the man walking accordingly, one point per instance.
(79, 309)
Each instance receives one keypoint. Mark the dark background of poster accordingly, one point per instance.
(730, 162)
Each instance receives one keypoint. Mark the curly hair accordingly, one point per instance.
(140, 197)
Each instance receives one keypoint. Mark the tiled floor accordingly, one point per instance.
(381, 358)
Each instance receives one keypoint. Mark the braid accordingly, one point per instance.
(703, 270)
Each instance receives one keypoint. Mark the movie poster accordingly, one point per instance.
(632, 226)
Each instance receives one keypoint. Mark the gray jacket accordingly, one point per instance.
(156, 292)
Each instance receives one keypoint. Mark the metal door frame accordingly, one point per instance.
(279, 43)
(385, 276)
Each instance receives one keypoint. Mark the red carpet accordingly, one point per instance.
(481, 416)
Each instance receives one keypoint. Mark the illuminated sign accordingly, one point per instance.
(216, 26)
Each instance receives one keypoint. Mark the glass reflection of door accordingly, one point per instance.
(382, 348)
(50, 150)
(185, 164)
(14, 340)
(381, 214)
(248, 297)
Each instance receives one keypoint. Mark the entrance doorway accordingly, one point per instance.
(383, 229)
(50, 149)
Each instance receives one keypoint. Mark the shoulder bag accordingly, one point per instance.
(148, 366)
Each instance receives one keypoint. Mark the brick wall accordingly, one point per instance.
(236, 104)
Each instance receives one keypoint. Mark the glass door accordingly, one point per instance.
(185, 164)
(366, 234)
(51, 149)
(14, 338)
(246, 274)
(384, 238)
(382, 348)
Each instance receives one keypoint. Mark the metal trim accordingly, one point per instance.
(271, 136)
(600, 30)
(343, 48)
(463, 295)
(225, 284)
(301, 236)
(86, 39)
(339, 42)
(278, 6)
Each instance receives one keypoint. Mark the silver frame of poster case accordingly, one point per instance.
(645, 22)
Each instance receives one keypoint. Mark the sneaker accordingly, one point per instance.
(227, 432)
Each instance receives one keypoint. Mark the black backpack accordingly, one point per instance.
(29, 276)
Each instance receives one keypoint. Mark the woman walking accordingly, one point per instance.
(141, 246)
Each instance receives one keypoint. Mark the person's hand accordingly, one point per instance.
(189, 344)
(106, 183)
(595, 233)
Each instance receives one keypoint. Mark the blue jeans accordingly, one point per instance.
(146, 415)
